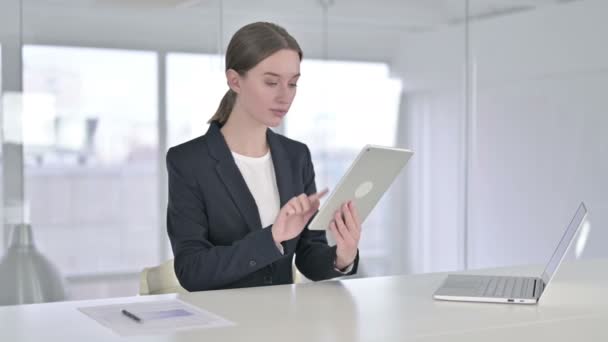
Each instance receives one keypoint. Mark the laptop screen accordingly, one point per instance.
(564, 243)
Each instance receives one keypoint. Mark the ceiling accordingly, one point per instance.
(396, 14)
(356, 29)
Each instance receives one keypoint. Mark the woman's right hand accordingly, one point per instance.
(294, 216)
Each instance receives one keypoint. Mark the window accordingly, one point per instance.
(90, 150)
(195, 85)
(340, 107)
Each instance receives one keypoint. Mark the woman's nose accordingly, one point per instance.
(283, 94)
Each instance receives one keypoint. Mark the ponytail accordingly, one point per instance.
(223, 111)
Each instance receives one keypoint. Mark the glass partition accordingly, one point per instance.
(501, 103)
(110, 86)
(539, 111)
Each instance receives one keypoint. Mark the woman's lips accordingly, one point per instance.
(279, 112)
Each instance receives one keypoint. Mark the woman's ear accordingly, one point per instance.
(233, 79)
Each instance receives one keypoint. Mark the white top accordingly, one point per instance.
(261, 181)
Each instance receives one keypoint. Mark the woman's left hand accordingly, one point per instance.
(346, 227)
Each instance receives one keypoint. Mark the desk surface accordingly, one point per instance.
(372, 309)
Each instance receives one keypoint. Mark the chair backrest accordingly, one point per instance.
(159, 279)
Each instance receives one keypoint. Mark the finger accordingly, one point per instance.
(338, 216)
(355, 211)
(314, 203)
(289, 209)
(350, 222)
(337, 236)
(296, 205)
(303, 199)
(346, 235)
(315, 199)
(317, 196)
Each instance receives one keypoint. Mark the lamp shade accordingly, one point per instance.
(27, 276)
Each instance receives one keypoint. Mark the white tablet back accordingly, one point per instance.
(368, 177)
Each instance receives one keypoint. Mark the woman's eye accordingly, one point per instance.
(293, 85)
(271, 83)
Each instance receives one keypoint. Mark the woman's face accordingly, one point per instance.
(267, 90)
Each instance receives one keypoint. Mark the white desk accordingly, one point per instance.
(575, 308)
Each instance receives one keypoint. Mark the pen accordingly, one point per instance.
(131, 316)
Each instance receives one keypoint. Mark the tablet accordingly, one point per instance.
(367, 179)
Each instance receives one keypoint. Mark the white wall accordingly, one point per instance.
(539, 113)
(540, 120)
(434, 205)
(541, 148)
(431, 66)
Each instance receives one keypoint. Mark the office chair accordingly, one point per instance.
(159, 279)
(298, 277)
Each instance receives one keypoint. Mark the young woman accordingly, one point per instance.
(240, 196)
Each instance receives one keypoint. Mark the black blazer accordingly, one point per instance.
(214, 224)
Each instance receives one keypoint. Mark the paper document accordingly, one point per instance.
(158, 317)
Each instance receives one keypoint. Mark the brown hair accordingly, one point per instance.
(250, 45)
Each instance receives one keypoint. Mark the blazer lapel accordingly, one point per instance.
(282, 167)
(282, 170)
(232, 178)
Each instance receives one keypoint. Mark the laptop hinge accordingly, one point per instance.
(542, 287)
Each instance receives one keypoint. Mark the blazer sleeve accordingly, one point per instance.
(200, 265)
(314, 257)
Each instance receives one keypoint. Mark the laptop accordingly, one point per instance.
(509, 289)
(368, 177)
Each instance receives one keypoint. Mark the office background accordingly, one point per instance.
(503, 101)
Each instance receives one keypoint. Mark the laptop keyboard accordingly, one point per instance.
(508, 287)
